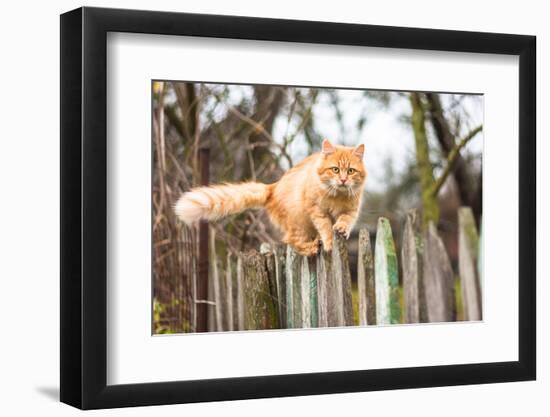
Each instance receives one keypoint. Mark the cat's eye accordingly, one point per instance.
(351, 170)
(336, 170)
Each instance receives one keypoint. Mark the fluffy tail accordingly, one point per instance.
(217, 201)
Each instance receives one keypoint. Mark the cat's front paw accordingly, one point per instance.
(310, 248)
(327, 244)
(342, 228)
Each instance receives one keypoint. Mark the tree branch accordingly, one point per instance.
(451, 159)
(258, 127)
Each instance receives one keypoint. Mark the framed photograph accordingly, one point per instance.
(258, 208)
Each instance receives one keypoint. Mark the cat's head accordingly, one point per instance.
(341, 168)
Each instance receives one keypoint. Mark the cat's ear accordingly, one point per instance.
(327, 148)
(359, 151)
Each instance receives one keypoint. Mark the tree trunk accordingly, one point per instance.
(430, 207)
(269, 101)
(468, 188)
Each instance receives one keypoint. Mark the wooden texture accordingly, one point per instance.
(269, 256)
(335, 292)
(309, 292)
(339, 289)
(278, 288)
(293, 289)
(305, 292)
(230, 271)
(438, 278)
(260, 310)
(386, 275)
(468, 249)
(221, 301)
(201, 286)
(280, 262)
(215, 293)
(324, 272)
(313, 292)
(365, 280)
(239, 295)
(411, 262)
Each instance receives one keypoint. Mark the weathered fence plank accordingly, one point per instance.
(324, 272)
(313, 292)
(260, 309)
(468, 247)
(215, 295)
(278, 288)
(480, 259)
(365, 280)
(340, 284)
(335, 292)
(270, 257)
(305, 292)
(385, 272)
(309, 292)
(228, 310)
(293, 289)
(438, 279)
(239, 295)
(411, 262)
(280, 262)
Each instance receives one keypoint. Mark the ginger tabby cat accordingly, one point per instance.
(320, 194)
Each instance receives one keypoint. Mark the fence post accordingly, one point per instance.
(309, 294)
(239, 304)
(215, 293)
(270, 260)
(293, 289)
(305, 293)
(313, 292)
(259, 304)
(438, 278)
(324, 272)
(280, 258)
(340, 284)
(365, 280)
(201, 286)
(468, 246)
(411, 260)
(385, 273)
(229, 273)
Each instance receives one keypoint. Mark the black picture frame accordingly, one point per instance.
(84, 207)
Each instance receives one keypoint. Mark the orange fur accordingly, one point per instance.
(320, 194)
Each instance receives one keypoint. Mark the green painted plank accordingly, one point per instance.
(388, 310)
(313, 292)
(293, 289)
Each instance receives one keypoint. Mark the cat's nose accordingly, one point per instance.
(343, 180)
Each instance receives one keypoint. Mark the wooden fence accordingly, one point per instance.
(276, 288)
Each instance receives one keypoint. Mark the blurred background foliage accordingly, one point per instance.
(423, 151)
